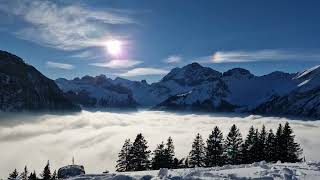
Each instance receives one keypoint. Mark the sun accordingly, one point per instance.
(114, 47)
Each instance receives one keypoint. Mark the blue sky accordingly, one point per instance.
(68, 38)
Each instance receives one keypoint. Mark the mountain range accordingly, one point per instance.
(189, 88)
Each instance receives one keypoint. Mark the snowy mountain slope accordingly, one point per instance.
(262, 171)
(96, 91)
(23, 88)
(201, 88)
(304, 100)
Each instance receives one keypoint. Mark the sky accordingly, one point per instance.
(145, 39)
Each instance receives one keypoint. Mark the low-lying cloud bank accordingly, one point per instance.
(95, 138)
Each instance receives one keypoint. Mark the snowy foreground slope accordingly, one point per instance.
(262, 170)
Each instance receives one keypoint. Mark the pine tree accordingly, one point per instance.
(270, 150)
(123, 163)
(214, 149)
(261, 149)
(248, 155)
(292, 150)
(139, 154)
(233, 145)
(169, 153)
(24, 174)
(159, 160)
(13, 175)
(197, 153)
(279, 144)
(46, 174)
(33, 176)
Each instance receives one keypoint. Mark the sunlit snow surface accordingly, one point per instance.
(95, 138)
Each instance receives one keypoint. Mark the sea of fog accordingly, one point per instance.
(95, 138)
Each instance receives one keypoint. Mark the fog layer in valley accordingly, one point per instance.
(95, 138)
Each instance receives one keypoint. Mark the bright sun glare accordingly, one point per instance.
(114, 47)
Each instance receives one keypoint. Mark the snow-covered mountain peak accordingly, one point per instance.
(192, 74)
(238, 73)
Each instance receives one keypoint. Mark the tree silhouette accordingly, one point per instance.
(139, 154)
(46, 174)
(123, 162)
(13, 175)
(197, 153)
(214, 148)
(233, 145)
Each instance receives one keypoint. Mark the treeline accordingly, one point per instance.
(26, 175)
(258, 145)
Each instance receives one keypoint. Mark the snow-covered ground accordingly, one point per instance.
(261, 171)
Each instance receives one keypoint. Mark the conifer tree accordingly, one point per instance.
(33, 176)
(159, 159)
(123, 163)
(24, 174)
(270, 150)
(233, 145)
(139, 154)
(261, 149)
(292, 150)
(46, 174)
(169, 153)
(214, 149)
(13, 175)
(248, 147)
(279, 145)
(197, 153)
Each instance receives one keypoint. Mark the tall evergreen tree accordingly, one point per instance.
(197, 153)
(13, 175)
(214, 149)
(123, 163)
(24, 174)
(159, 159)
(233, 145)
(169, 153)
(279, 145)
(270, 150)
(248, 154)
(33, 176)
(292, 150)
(261, 149)
(139, 154)
(46, 173)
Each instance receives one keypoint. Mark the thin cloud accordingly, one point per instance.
(87, 55)
(65, 27)
(143, 72)
(117, 64)
(56, 65)
(173, 59)
(260, 55)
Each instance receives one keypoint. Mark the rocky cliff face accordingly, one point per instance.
(23, 88)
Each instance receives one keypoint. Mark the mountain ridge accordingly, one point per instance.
(194, 87)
